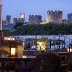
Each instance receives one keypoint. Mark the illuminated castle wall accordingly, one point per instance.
(0, 14)
(22, 17)
(54, 17)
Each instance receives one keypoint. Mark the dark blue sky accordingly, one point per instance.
(15, 7)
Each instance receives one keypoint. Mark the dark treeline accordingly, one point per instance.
(42, 29)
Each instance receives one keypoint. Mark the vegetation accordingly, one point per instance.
(42, 29)
(8, 32)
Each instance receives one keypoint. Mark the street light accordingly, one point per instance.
(69, 49)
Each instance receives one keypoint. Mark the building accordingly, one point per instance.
(4, 22)
(15, 20)
(18, 20)
(54, 17)
(70, 18)
(35, 19)
(22, 17)
(10, 48)
(8, 19)
(0, 14)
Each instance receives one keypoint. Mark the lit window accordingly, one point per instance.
(13, 51)
(24, 56)
(22, 16)
(69, 50)
(9, 38)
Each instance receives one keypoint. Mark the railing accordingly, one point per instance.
(11, 64)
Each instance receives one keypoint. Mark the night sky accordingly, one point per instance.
(39, 7)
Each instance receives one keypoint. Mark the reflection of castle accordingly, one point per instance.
(54, 17)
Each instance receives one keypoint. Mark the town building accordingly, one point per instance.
(70, 18)
(35, 19)
(10, 48)
(54, 16)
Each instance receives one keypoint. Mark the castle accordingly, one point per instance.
(54, 16)
(70, 18)
(35, 19)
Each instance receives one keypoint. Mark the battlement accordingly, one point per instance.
(35, 19)
(54, 16)
(54, 12)
(34, 16)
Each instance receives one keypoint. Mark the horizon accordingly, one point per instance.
(14, 8)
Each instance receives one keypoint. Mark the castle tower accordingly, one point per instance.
(22, 17)
(54, 17)
(0, 14)
(35, 19)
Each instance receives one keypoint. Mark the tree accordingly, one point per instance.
(42, 29)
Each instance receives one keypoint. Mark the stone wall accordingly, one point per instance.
(54, 17)
(35, 19)
(20, 51)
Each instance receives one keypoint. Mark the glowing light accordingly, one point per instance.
(41, 45)
(13, 38)
(9, 38)
(69, 50)
(23, 43)
(22, 15)
(24, 56)
(13, 51)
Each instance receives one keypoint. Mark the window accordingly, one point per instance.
(13, 51)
